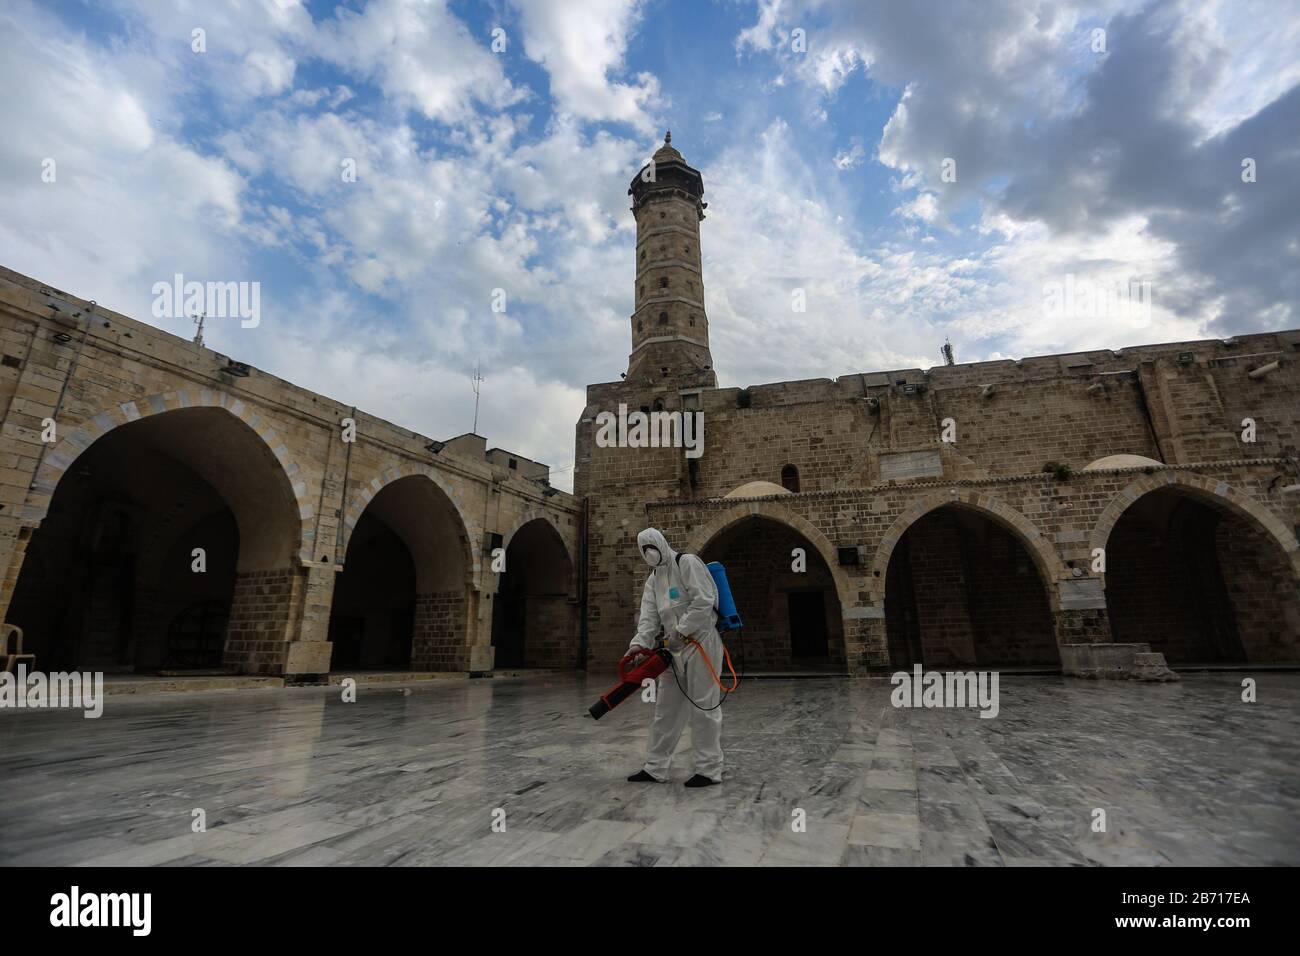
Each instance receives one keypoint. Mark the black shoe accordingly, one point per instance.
(641, 777)
(699, 780)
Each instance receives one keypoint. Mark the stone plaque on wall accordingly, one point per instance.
(910, 464)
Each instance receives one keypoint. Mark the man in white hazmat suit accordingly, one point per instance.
(680, 598)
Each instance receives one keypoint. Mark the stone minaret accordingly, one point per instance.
(670, 331)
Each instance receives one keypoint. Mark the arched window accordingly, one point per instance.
(663, 282)
(790, 479)
(663, 318)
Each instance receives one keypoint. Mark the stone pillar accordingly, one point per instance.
(1082, 626)
(14, 539)
(1080, 612)
(261, 609)
(438, 642)
(310, 650)
(865, 645)
(279, 622)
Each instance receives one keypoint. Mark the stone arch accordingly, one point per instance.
(1050, 566)
(70, 447)
(1204, 572)
(453, 489)
(531, 516)
(794, 617)
(550, 520)
(534, 607)
(1209, 491)
(406, 594)
(117, 507)
(701, 537)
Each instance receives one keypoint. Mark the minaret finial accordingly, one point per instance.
(668, 138)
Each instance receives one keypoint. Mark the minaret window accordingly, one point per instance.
(692, 320)
(639, 325)
(663, 318)
(663, 282)
(643, 292)
(790, 479)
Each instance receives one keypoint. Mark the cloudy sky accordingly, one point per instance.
(920, 170)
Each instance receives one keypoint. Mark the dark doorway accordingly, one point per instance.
(510, 622)
(783, 589)
(373, 611)
(808, 626)
(533, 619)
(960, 590)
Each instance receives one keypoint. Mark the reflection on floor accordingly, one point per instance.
(1186, 773)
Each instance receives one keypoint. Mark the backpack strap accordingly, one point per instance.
(717, 613)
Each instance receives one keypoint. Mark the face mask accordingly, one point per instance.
(651, 555)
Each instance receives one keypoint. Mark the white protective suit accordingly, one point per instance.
(680, 597)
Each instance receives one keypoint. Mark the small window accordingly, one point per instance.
(514, 464)
(663, 282)
(663, 215)
(643, 255)
(643, 291)
(692, 321)
(638, 325)
(790, 479)
(663, 318)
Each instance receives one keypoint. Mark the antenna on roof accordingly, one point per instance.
(948, 358)
(475, 381)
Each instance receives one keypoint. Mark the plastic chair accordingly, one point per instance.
(16, 657)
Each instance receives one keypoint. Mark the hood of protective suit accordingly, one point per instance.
(662, 555)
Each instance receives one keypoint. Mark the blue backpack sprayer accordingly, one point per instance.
(644, 664)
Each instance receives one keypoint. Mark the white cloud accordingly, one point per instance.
(850, 158)
(1042, 130)
(582, 47)
(130, 205)
(421, 55)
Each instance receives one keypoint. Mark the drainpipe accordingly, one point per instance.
(1146, 412)
(582, 588)
(343, 494)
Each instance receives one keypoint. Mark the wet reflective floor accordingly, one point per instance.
(1186, 774)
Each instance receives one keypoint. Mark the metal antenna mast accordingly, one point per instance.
(476, 381)
(198, 335)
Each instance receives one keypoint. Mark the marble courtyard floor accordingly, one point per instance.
(1186, 772)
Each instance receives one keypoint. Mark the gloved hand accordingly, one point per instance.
(676, 643)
